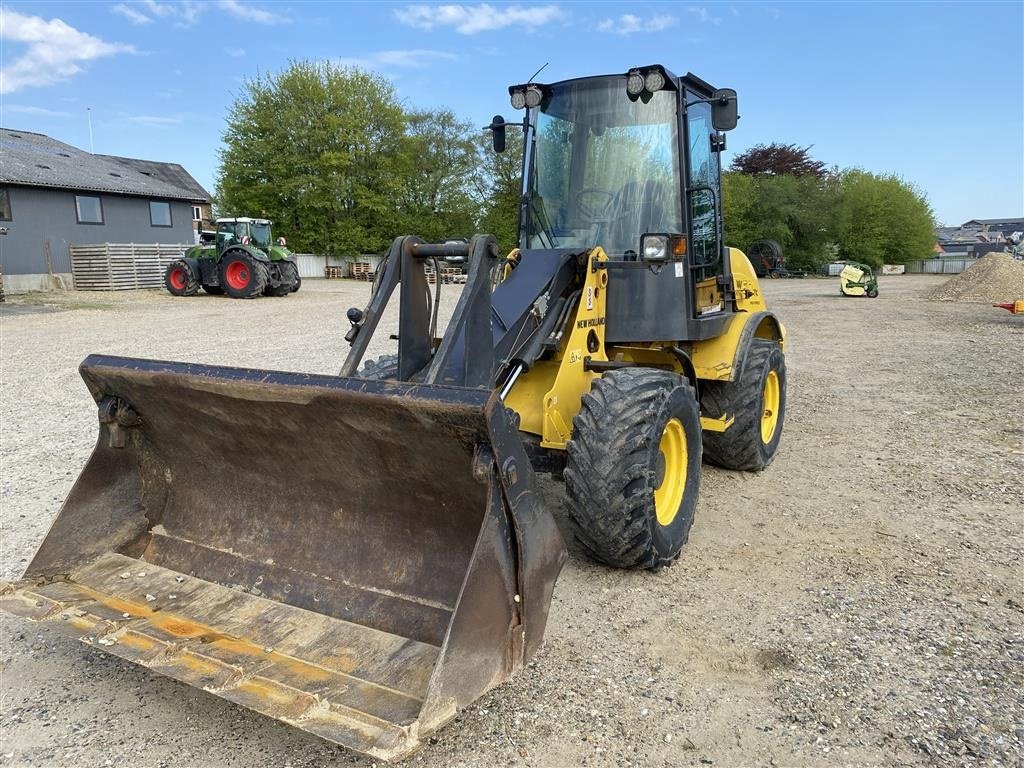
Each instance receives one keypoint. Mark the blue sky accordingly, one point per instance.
(931, 91)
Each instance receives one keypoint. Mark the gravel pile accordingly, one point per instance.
(997, 277)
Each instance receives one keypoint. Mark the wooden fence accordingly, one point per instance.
(122, 266)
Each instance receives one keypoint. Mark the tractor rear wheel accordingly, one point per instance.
(757, 400)
(241, 275)
(632, 472)
(872, 293)
(180, 280)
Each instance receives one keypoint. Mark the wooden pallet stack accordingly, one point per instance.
(362, 270)
(334, 272)
(448, 275)
(122, 266)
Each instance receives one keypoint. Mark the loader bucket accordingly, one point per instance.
(357, 558)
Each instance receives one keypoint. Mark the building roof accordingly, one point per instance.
(990, 222)
(35, 160)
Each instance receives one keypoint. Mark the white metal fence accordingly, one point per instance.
(122, 266)
(938, 266)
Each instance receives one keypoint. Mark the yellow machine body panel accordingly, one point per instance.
(547, 398)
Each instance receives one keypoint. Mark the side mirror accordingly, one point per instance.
(497, 129)
(724, 109)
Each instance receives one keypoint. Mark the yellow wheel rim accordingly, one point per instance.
(668, 496)
(770, 414)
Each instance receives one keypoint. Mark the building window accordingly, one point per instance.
(197, 213)
(89, 209)
(159, 214)
(5, 204)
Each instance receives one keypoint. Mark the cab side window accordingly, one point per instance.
(704, 194)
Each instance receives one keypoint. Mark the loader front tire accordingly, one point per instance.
(632, 472)
(757, 400)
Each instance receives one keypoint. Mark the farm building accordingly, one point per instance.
(53, 195)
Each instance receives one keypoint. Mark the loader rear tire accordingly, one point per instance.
(757, 400)
(242, 276)
(632, 472)
(180, 279)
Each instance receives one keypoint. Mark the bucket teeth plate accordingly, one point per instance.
(352, 685)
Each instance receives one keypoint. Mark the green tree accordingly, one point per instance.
(440, 159)
(317, 148)
(497, 185)
(793, 210)
(881, 219)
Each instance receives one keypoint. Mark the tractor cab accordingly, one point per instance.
(243, 231)
(631, 163)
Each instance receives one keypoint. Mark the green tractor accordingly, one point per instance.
(243, 262)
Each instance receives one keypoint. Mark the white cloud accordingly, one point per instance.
(155, 121)
(55, 50)
(628, 24)
(470, 19)
(703, 15)
(416, 58)
(249, 13)
(235, 53)
(186, 13)
(24, 109)
(130, 13)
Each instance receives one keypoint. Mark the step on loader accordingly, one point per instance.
(362, 555)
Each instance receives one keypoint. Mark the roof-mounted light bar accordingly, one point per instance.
(642, 82)
(525, 96)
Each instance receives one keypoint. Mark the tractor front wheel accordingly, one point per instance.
(288, 280)
(242, 276)
(180, 280)
(632, 472)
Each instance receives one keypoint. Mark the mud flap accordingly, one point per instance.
(359, 559)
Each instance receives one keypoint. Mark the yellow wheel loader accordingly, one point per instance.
(362, 555)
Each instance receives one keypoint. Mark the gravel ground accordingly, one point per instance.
(859, 603)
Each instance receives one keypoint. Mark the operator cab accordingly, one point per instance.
(234, 231)
(631, 163)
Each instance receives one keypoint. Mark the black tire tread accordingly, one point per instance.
(739, 447)
(191, 287)
(608, 480)
(379, 369)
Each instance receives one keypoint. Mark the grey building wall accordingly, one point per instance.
(39, 215)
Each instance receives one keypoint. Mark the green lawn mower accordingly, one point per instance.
(243, 262)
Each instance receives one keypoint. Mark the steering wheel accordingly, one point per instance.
(596, 208)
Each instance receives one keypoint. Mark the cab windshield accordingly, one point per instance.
(260, 234)
(604, 169)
